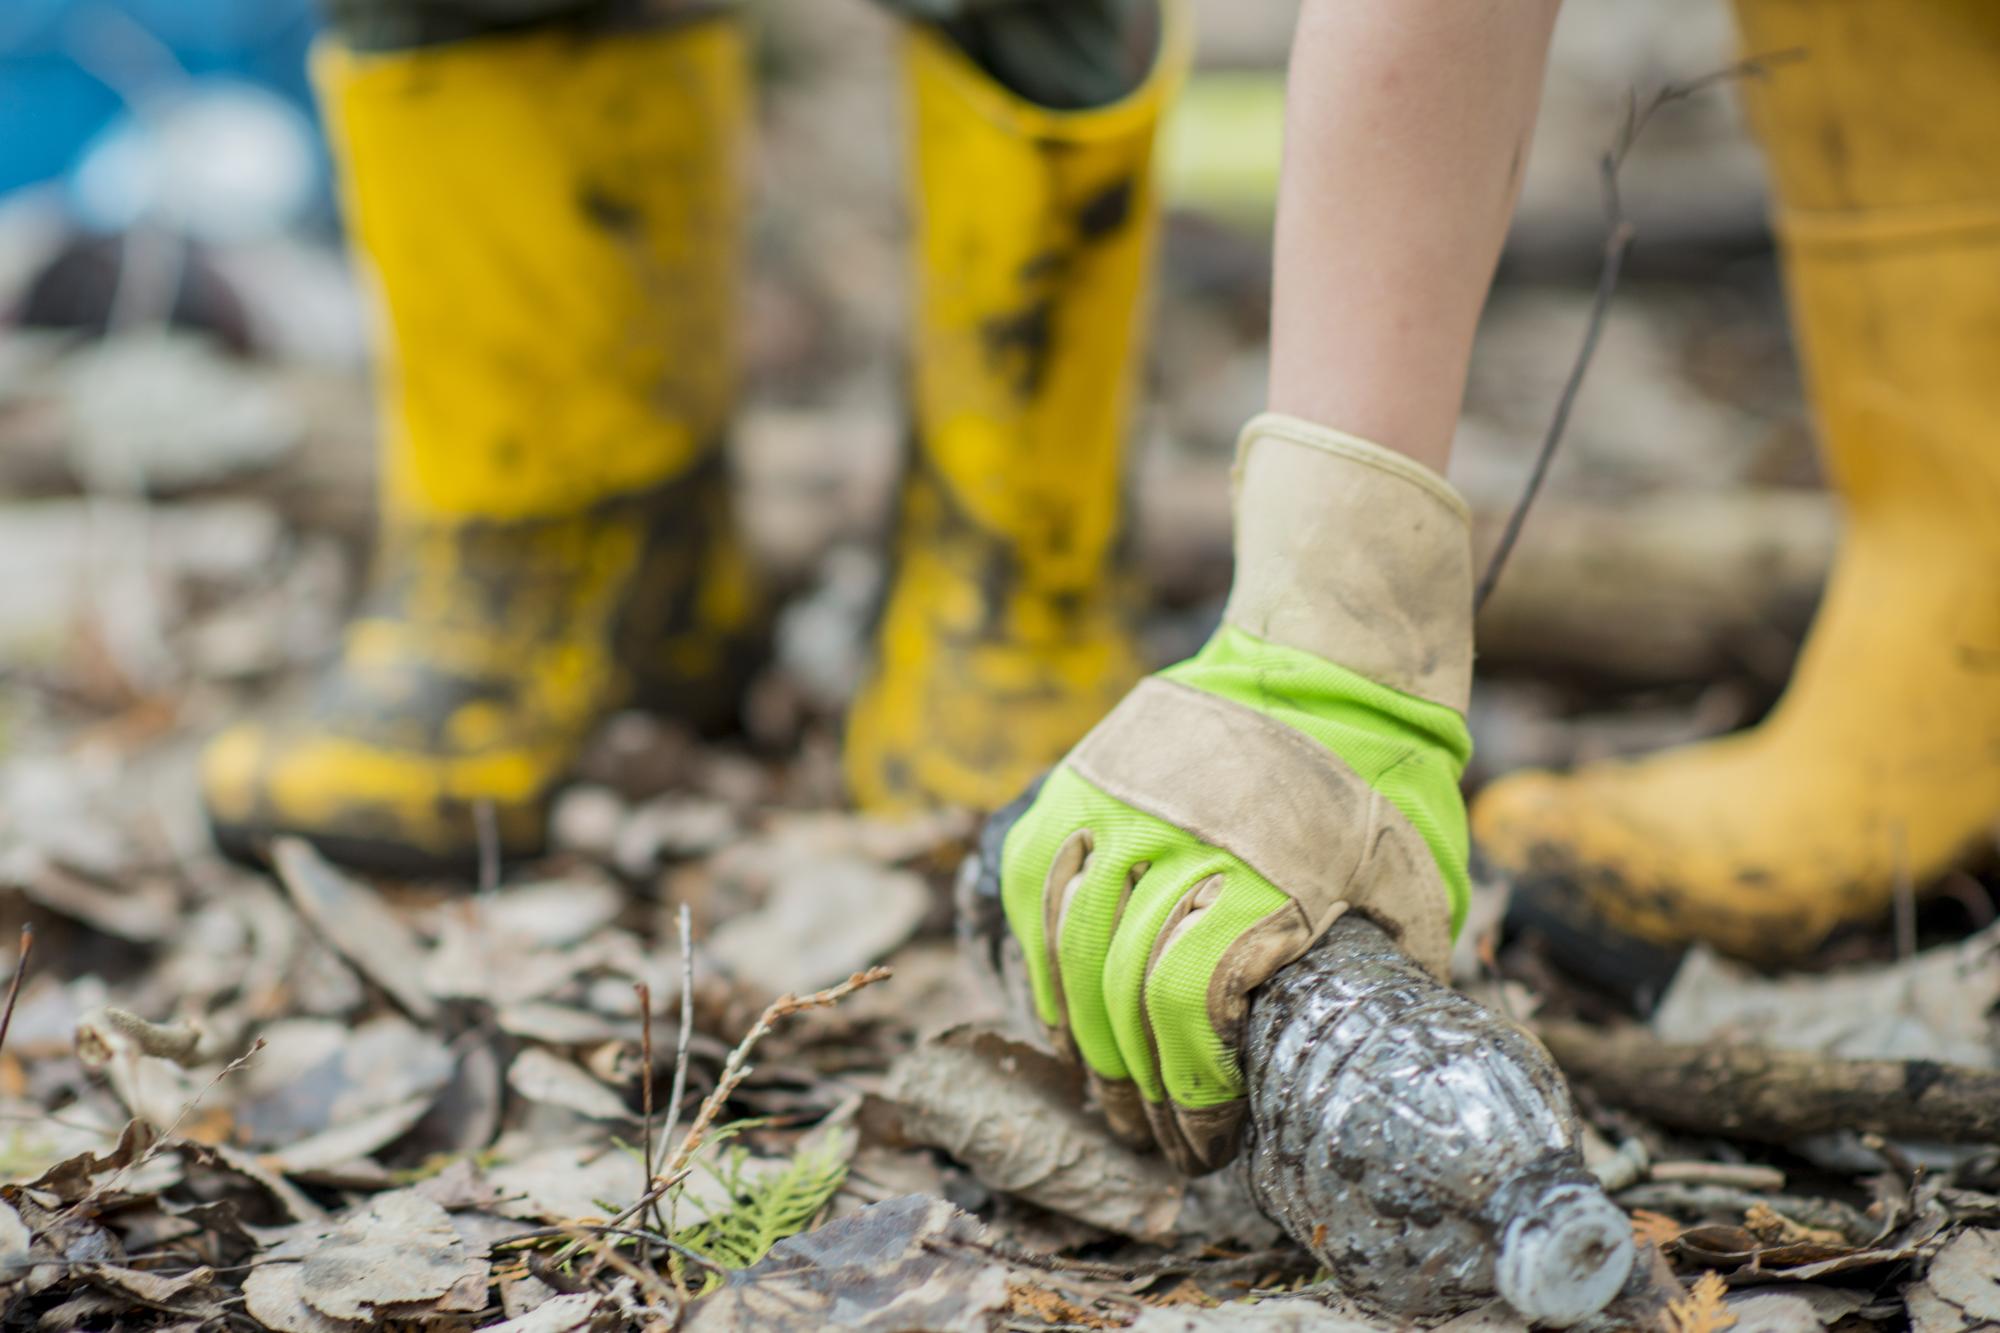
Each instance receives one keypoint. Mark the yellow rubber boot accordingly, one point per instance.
(551, 221)
(1883, 758)
(1007, 629)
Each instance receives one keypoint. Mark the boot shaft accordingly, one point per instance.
(551, 224)
(1035, 237)
(1880, 122)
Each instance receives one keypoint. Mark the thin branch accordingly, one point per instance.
(683, 927)
(486, 827)
(166, 1136)
(645, 994)
(1618, 233)
(187, 1109)
(14, 982)
(734, 1070)
(594, 1238)
(1905, 896)
(575, 1229)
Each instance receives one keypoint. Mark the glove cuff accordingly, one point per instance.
(1355, 554)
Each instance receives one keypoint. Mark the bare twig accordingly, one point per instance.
(1730, 1174)
(1774, 1096)
(1899, 1161)
(487, 829)
(1905, 897)
(574, 1229)
(14, 982)
(108, 1032)
(645, 994)
(1618, 233)
(1684, 1201)
(597, 1238)
(683, 926)
(734, 1070)
(166, 1136)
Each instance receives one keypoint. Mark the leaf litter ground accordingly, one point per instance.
(308, 1100)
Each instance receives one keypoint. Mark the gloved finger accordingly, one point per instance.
(1027, 856)
(1083, 914)
(1059, 886)
(1083, 921)
(1214, 946)
(1152, 898)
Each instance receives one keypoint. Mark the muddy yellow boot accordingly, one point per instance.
(1006, 632)
(1883, 758)
(550, 219)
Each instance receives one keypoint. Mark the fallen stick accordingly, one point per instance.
(1662, 589)
(1654, 589)
(1772, 1096)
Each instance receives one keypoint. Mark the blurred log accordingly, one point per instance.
(1772, 1096)
(1659, 589)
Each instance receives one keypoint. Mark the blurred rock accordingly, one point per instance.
(1937, 1005)
(824, 919)
(671, 828)
(161, 413)
(587, 819)
(58, 558)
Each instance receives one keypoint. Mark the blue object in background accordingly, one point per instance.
(60, 58)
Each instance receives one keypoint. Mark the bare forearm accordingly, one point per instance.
(1407, 128)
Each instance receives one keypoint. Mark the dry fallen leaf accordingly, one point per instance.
(271, 1295)
(892, 1266)
(825, 918)
(1015, 1116)
(1774, 1228)
(1932, 1006)
(353, 918)
(1187, 1292)
(399, 1250)
(1962, 1289)
(543, 1077)
(15, 1243)
(1277, 1315)
(1795, 1309)
(558, 1314)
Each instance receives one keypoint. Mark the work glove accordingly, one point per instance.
(1303, 764)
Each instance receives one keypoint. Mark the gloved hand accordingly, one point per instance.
(1303, 764)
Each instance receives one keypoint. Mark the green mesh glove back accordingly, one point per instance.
(1226, 813)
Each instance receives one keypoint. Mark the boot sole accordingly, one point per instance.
(1579, 941)
(249, 845)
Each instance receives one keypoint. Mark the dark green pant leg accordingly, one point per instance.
(1059, 53)
(396, 25)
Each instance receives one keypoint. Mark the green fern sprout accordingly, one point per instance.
(767, 1209)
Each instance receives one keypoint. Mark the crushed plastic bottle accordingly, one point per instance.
(1424, 1149)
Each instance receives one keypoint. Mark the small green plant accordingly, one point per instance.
(767, 1207)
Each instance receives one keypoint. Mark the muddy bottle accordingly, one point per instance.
(1422, 1148)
